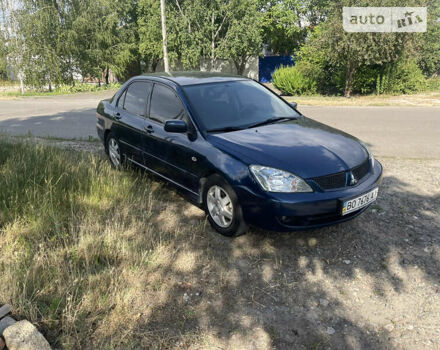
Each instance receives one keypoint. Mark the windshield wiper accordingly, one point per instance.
(227, 129)
(271, 121)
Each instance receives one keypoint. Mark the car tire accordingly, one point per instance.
(222, 207)
(114, 151)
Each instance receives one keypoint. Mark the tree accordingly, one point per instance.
(40, 27)
(13, 43)
(104, 33)
(150, 34)
(351, 51)
(429, 54)
(243, 38)
(287, 23)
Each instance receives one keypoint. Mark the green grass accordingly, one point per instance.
(426, 99)
(63, 90)
(71, 230)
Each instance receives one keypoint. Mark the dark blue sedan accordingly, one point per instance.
(239, 151)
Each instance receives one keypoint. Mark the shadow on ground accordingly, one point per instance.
(339, 287)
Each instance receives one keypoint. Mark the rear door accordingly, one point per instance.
(130, 113)
(170, 154)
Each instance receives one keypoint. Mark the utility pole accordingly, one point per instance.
(164, 36)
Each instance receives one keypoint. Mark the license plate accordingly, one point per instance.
(359, 202)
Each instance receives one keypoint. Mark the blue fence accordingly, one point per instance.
(268, 64)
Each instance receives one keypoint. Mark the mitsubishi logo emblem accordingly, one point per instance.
(353, 180)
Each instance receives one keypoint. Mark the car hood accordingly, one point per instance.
(302, 146)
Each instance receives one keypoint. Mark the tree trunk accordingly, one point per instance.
(154, 64)
(349, 74)
(240, 65)
(20, 77)
(212, 42)
(164, 36)
(107, 75)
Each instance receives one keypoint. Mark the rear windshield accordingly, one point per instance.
(235, 104)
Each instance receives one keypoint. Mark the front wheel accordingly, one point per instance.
(221, 205)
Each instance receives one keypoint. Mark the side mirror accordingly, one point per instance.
(293, 105)
(177, 126)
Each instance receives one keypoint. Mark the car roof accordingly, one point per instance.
(195, 78)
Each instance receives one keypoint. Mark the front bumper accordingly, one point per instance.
(300, 211)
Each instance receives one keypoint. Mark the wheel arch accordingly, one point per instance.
(106, 133)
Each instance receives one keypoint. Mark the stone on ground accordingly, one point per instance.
(5, 323)
(24, 336)
(4, 310)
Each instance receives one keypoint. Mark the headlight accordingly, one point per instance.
(275, 180)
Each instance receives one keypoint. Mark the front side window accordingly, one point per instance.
(121, 99)
(235, 104)
(165, 105)
(136, 98)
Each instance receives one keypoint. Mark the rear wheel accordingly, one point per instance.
(221, 205)
(114, 151)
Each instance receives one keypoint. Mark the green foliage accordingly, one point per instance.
(53, 42)
(293, 81)
(150, 35)
(433, 84)
(286, 24)
(402, 78)
(243, 38)
(83, 87)
(429, 51)
(365, 81)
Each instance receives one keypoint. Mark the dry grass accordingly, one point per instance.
(73, 232)
(100, 259)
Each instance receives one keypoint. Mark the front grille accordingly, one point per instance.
(338, 180)
(332, 181)
(361, 170)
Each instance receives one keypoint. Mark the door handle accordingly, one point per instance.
(149, 129)
(117, 115)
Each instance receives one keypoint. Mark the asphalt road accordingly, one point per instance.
(409, 132)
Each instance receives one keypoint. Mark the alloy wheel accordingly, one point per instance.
(220, 206)
(114, 152)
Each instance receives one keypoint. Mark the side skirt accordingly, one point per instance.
(195, 197)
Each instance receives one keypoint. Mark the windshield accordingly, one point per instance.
(236, 105)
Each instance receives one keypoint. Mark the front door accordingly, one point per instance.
(170, 154)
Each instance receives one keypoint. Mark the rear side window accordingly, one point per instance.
(165, 105)
(136, 98)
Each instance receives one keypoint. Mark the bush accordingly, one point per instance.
(294, 81)
(84, 87)
(365, 80)
(403, 77)
(433, 84)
